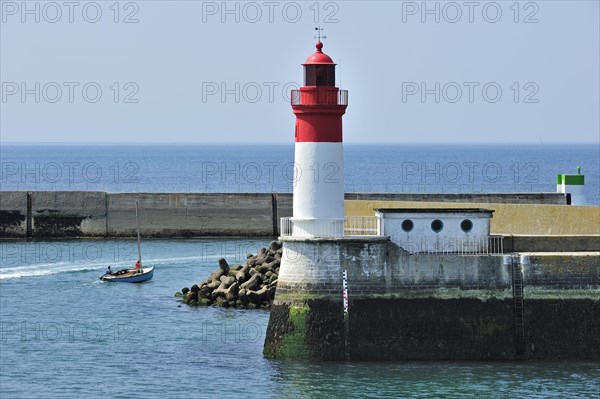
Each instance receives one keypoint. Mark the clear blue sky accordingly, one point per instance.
(414, 74)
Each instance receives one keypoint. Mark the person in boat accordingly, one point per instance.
(138, 266)
(108, 271)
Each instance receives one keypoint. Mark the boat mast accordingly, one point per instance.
(137, 219)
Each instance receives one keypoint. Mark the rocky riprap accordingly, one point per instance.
(251, 285)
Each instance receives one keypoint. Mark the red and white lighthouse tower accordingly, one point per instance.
(319, 154)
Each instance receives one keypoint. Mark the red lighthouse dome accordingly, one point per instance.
(319, 57)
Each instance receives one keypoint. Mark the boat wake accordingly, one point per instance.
(37, 270)
(45, 269)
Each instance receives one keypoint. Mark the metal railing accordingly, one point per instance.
(457, 245)
(319, 96)
(361, 226)
(285, 227)
(353, 226)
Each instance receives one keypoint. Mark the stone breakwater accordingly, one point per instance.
(251, 285)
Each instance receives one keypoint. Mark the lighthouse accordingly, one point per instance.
(318, 209)
(572, 184)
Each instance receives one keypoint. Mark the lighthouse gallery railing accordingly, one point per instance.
(353, 226)
(319, 96)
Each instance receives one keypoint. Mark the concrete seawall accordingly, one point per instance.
(46, 214)
(432, 306)
(52, 214)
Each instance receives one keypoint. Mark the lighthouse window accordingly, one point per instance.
(319, 75)
(437, 225)
(466, 225)
(407, 225)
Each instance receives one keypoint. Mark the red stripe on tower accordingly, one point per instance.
(319, 105)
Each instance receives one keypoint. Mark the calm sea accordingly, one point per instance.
(65, 334)
(270, 168)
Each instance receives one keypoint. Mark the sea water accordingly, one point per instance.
(410, 168)
(66, 334)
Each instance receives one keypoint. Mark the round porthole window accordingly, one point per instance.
(407, 225)
(466, 225)
(437, 225)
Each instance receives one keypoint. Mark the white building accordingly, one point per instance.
(447, 230)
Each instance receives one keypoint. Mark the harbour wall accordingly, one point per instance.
(432, 306)
(52, 214)
(48, 214)
(508, 218)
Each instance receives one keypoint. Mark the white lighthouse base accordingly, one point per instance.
(318, 181)
(323, 228)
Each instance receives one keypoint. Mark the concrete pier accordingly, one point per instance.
(432, 306)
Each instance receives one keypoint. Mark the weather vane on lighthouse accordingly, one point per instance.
(319, 30)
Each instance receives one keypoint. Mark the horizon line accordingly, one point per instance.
(462, 143)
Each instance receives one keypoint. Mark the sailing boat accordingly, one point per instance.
(132, 275)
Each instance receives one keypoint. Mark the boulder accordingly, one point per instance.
(227, 280)
(271, 292)
(205, 292)
(275, 246)
(219, 292)
(274, 264)
(204, 302)
(257, 297)
(214, 285)
(262, 268)
(215, 276)
(224, 266)
(263, 260)
(257, 262)
(252, 283)
(232, 292)
(221, 302)
(243, 274)
(190, 296)
(244, 300)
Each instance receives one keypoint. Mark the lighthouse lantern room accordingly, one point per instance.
(319, 155)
